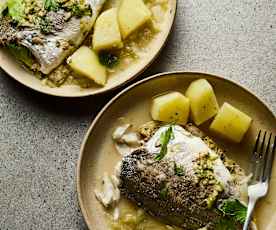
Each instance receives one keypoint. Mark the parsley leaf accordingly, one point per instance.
(51, 5)
(165, 138)
(235, 209)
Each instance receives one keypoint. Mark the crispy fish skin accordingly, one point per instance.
(51, 49)
(143, 181)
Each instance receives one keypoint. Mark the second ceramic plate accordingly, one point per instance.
(98, 154)
(27, 78)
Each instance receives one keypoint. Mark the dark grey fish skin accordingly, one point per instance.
(51, 49)
(144, 181)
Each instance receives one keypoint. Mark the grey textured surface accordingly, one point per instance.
(40, 135)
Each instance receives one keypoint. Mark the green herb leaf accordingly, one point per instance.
(178, 170)
(51, 5)
(165, 138)
(235, 209)
(16, 9)
(108, 59)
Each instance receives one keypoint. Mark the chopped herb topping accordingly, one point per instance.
(234, 209)
(77, 10)
(45, 25)
(108, 59)
(51, 5)
(164, 193)
(165, 138)
(178, 170)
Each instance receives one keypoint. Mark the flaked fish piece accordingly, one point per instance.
(109, 193)
(51, 48)
(189, 197)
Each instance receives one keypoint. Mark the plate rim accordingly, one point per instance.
(117, 97)
(102, 91)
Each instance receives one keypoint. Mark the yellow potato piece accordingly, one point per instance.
(107, 32)
(231, 123)
(171, 107)
(132, 14)
(86, 63)
(203, 101)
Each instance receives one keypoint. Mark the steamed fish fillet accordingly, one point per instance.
(183, 199)
(51, 49)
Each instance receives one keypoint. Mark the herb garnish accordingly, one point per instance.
(45, 25)
(164, 192)
(165, 138)
(51, 5)
(108, 59)
(178, 170)
(77, 10)
(235, 209)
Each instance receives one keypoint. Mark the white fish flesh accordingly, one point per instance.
(51, 49)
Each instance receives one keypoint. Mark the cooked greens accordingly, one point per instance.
(108, 59)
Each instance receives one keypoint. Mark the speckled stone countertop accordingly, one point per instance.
(40, 136)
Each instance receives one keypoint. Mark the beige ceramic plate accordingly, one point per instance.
(15, 70)
(98, 154)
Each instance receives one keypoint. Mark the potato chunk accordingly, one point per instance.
(132, 14)
(231, 123)
(86, 63)
(107, 32)
(203, 101)
(171, 107)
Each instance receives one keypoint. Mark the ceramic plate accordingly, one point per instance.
(98, 154)
(15, 69)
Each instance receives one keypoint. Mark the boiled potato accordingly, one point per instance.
(86, 63)
(107, 32)
(231, 123)
(203, 101)
(132, 14)
(171, 107)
